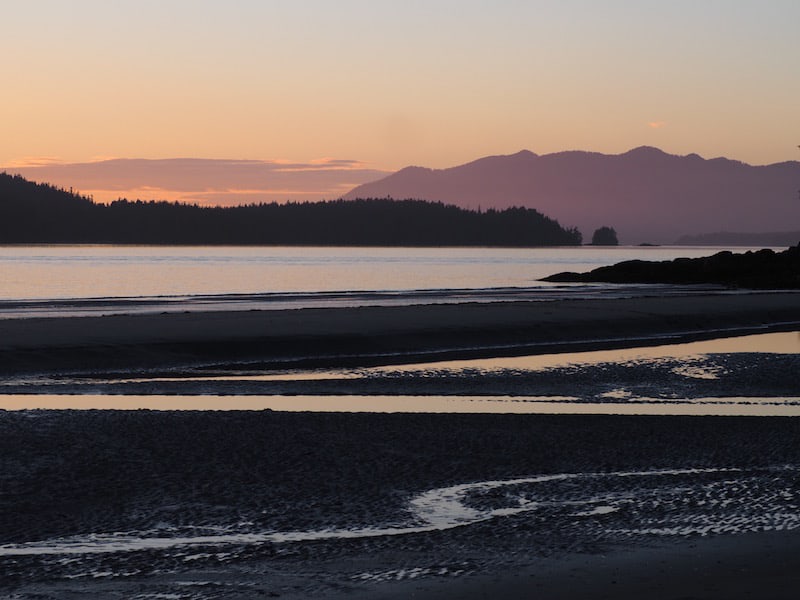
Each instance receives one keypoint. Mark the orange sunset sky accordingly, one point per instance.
(296, 99)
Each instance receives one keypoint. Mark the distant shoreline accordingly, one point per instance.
(43, 213)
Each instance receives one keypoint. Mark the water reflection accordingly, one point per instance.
(734, 406)
(604, 393)
(777, 343)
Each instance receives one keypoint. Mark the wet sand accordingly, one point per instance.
(146, 473)
(168, 474)
(374, 335)
(764, 566)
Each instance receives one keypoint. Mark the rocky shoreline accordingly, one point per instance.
(763, 269)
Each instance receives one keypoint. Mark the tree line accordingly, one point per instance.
(40, 213)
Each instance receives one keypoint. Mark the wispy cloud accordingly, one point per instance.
(205, 181)
(33, 161)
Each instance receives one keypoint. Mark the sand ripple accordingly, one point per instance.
(655, 502)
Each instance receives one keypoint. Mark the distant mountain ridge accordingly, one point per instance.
(646, 194)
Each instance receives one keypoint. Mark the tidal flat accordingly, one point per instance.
(136, 503)
(241, 504)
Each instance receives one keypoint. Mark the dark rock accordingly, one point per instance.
(762, 269)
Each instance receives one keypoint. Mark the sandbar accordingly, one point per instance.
(383, 334)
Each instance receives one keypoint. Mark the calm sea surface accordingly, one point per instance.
(75, 272)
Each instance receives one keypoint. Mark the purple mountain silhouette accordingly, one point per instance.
(647, 195)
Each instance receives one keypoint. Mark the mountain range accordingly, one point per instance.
(645, 194)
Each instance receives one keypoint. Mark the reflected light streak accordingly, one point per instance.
(779, 343)
(409, 404)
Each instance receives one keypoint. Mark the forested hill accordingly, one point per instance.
(39, 213)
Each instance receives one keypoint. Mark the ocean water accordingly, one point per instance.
(72, 280)
(68, 272)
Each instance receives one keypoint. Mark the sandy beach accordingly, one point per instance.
(375, 335)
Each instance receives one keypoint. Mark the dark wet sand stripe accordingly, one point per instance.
(383, 334)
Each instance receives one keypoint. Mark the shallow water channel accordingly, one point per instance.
(698, 378)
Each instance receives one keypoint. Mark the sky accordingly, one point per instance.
(308, 98)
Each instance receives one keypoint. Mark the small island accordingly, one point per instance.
(762, 269)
